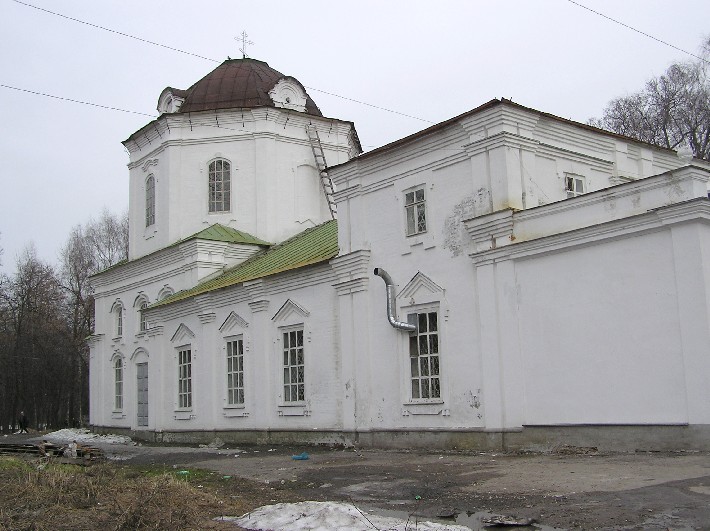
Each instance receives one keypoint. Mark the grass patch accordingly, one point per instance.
(39, 496)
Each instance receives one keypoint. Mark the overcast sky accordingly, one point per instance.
(61, 163)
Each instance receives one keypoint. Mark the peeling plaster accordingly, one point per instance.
(471, 206)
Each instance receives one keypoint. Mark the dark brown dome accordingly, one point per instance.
(235, 84)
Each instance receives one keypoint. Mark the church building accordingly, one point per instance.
(506, 279)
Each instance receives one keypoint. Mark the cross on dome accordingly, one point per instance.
(243, 37)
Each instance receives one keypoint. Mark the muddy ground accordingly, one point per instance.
(572, 489)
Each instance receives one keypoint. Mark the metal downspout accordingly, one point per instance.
(391, 303)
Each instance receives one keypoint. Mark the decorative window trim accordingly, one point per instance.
(165, 292)
(219, 186)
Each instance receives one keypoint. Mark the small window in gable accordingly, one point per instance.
(219, 190)
(415, 211)
(574, 185)
(150, 201)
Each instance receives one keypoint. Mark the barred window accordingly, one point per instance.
(185, 378)
(293, 366)
(424, 357)
(235, 372)
(220, 186)
(415, 209)
(150, 201)
(118, 384)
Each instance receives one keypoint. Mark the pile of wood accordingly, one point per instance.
(48, 449)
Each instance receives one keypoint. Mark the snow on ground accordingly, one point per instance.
(328, 516)
(85, 436)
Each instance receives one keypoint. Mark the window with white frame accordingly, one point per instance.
(220, 191)
(142, 318)
(415, 211)
(150, 201)
(293, 366)
(235, 371)
(119, 320)
(118, 384)
(574, 185)
(185, 377)
(424, 356)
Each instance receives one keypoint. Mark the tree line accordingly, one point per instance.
(46, 315)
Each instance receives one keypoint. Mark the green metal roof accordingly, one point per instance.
(216, 232)
(220, 233)
(309, 247)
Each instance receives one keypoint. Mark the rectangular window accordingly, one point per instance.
(118, 390)
(235, 372)
(424, 357)
(293, 366)
(574, 185)
(185, 378)
(415, 209)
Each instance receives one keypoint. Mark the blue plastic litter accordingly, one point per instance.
(300, 457)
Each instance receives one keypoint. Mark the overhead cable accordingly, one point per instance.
(146, 41)
(76, 101)
(638, 31)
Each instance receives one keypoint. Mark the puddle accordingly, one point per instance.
(470, 520)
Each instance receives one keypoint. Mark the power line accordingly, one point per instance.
(638, 31)
(146, 41)
(76, 101)
(116, 32)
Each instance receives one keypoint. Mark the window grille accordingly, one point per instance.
(219, 186)
(415, 209)
(118, 389)
(424, 357)
(235, 372)
(185, 378)
(150, 201)
(293, 366)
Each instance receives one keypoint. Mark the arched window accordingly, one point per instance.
(119, 320)
(150, 201)
(143, 321)
(220, 190)
(118, 380)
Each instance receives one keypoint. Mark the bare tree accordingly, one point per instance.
(89, 249)
(672, 110)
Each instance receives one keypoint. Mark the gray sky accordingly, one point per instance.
(61, 163)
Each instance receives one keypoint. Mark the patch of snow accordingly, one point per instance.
(81, 435)
(328, 516)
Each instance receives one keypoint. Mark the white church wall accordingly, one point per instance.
(599, 328)
(265, 147)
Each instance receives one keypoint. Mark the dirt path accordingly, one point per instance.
(620, 491)
(615, 491)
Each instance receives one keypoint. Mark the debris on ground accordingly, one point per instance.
(301, 457)
(507, 521)
(328, 515)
